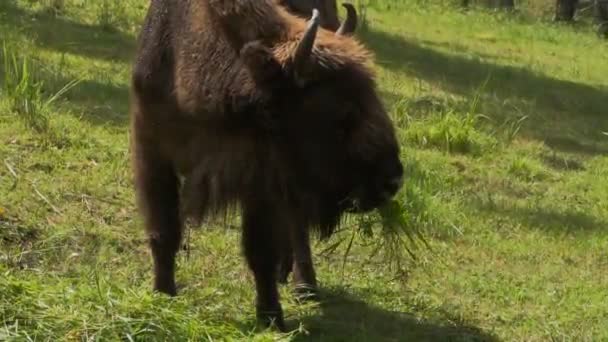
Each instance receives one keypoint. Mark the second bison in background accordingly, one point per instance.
(328, 12)
(240, 104)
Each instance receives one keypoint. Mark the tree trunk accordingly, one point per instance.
(496, 4)
(507, 4)
(565, 9)
(601, 17)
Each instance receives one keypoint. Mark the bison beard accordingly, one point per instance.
(256, 109)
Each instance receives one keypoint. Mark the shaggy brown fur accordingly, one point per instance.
(239, 104)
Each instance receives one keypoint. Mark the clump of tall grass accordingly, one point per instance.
(54, 7)
(110, 14)
(508, 130)
(527, 169)
(453, 128)
(451, 132)
(23, 89)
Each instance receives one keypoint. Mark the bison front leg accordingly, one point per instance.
(157, 190)
(261, 244)
(304, 277)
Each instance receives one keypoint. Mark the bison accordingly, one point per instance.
(241, 105)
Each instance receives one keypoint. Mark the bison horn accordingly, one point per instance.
(350, 23)
(304, 48)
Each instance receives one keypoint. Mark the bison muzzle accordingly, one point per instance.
(240, 105)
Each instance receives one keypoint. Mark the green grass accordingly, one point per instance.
(502, 120)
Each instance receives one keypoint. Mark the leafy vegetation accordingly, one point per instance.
(503, 125)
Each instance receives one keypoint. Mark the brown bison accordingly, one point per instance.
(240, 104)
(328, 13)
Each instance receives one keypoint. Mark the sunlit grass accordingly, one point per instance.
(503, 127)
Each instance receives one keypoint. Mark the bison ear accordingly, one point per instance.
(261, 63)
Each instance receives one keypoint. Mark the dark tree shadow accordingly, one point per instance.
(546, 219)
(577, 145)
(454, 46)
(567, 116)
(345, 318)
(98, 103)
(95, 101)
(562, 163)
(65, 35)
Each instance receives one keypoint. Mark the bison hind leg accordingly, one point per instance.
(158, 200)
(163, 227)
(304, 275)
(296, 258)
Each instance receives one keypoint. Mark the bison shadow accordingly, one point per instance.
(567, 116)
(345, 318)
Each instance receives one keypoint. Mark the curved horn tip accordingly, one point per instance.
(349, 25)
(316, 17)
(305, 46)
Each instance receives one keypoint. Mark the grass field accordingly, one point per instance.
(503, 122)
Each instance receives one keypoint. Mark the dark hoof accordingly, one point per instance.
(306, 293)
(166, 288)
(271, 319)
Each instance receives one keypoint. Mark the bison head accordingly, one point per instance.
(320, 104)
(340, 141)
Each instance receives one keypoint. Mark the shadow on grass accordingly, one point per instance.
(345, 318)
(546, 219)
(562, 163)
(65, 35)
(99, 103)
(567, 116)
(94, 101)
(454, 46)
